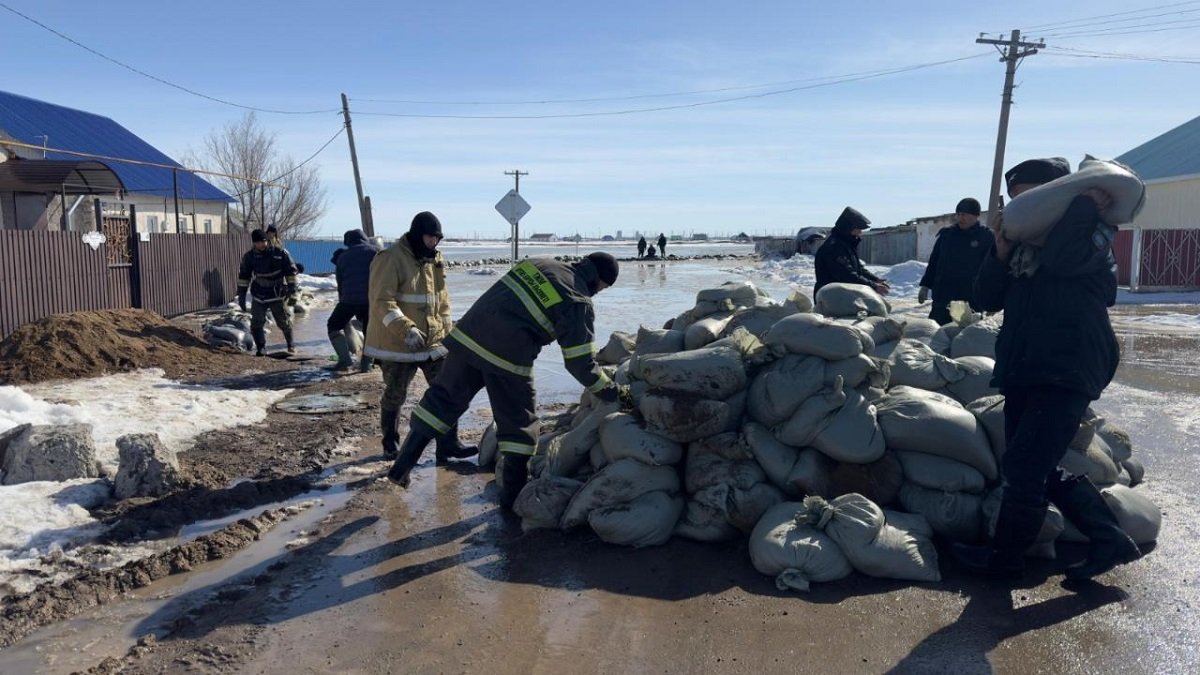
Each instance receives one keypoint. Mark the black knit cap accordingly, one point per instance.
(606, 267)
(426, 223)
(968, 205)
(1037, 171)
(257, 236)
(851, 219)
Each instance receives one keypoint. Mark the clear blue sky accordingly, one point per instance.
(895, 147)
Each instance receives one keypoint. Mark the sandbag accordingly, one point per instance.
(1029, 217)
(729, 295)
(623, 436)
(1115, 438)
(812, 474)
(596, 457)
(989, 410)
(619, 348)
(872, 546)
(885, 350)
(922, 421)
(704, 523)
(705, 330)
(793, 551)
(878, 481)
(976, 381)
(958, 516)
(858, 369)
(619, 482)
(782, 386)
(687, 417)
(845, 299)
(851, 433)
(757, 320)
(1138, 516)
(977, 339)
(658, 341)
(881, 328)
(814, 334)
(811, 417)
(567, 453)
(913, 522)
(723, 459)
(939, 473)
(648, 520)
(1043, 544)
(1135, 471)
(1092, 462)
(776, 459)
(488, 446)
(915, 364)
(542, 501)
(712, 372)
(943, 340)
(751, 349)
(921, 330)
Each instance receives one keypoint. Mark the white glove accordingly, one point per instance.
(415, 339)
(923, 295)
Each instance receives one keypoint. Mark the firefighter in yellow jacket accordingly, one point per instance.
(409, 316)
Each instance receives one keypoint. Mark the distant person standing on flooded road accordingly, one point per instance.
(269, 276)
(957, 255)
(662, 244)
(641, 247)
(837, 260)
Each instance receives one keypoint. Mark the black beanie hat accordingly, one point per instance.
(257, 236)
(968, 205)
(606, 267)
(851, 219)
(1037, 171)
(426, 223)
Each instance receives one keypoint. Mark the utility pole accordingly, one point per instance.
(516, 228)
(1011, 57)
(363, 214)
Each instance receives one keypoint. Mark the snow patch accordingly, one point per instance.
(309, 282)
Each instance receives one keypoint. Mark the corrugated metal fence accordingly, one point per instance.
(180, 273)
(888, 246)
(315, 254)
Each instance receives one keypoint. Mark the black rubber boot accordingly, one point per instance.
(407, 458)
(514, 473)
(1108, 545)
(449, 447)
(341, 347)
(391, 433)
(1017, 527)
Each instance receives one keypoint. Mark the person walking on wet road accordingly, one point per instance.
(269, 276)
(408, 318)
(662, 244)
(494, 345)
(837, 260)
(1055, 354)
(641, 247)
(353, 274)
(955, 260)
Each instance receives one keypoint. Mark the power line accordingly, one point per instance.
(274, 182)
(1086, 53)
(681, 106)
(160, 80)
(1127, 20)
(1163, 27)
(1062, 24)
(1110, 29)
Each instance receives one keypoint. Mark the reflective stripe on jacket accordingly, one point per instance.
(266, 273)
(407, 292)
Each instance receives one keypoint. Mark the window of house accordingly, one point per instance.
(207, 226)
(183, 225)
(152, 223)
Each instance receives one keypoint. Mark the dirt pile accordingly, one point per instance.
(89, 344)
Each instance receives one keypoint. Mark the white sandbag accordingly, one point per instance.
(619, 348)
(793, 551)
(704, 523)
(617, 483)
(488, 446)
(729, 295)
(568, 453)
(782, 386)
(705, 330)
(881, 328)
(1029, 217)
(845, 299)
(851, 433)
(1139, 517)
(623, 436)
(943, 340)
(757, 320)
(658, 341)
(858, 369)
(921, 421)
(976, 381)
(812, 474)
(977, 339)
(814, 334)
(712, 372)
(939, 473)
(920, 329)
(989, 410)
(687, 417)
(878, 481)
(913, 522)
(811, 417)
(776, 459)
(872, 546)
(648, 520)
(1043, 544)
(958, 516)
(915, 364)
(542, 501)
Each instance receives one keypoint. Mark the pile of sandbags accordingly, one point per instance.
(231, 329)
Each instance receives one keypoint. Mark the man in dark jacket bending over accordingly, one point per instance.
(1055, 354)
(837, 259)
(494, 345)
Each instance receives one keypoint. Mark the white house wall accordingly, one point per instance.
(157, 214)
(1171, 205)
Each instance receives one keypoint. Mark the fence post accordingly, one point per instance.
(135, 260)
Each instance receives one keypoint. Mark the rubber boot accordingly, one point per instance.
(1017, 527)
(450, 447)
(514, 473)
(391, 433)
(1108, 545)
(341, 347)
(408, 456)
(259, 344)
(291, 345)
(366, 364)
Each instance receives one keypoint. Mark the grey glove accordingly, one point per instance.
(923, 295)
(415, 339)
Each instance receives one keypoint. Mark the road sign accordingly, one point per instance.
(513, 207)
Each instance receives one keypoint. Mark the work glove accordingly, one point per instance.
(242, 300)
(923, 295)
(414, 339)
(609, 394)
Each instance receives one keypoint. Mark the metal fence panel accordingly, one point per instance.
(315, 254)
(180, 273)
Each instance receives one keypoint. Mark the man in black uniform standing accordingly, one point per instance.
(494, 345)
(837, 260)
(955, 260)
(269, 275)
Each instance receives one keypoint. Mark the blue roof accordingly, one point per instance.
(27, 120)
(1173, 154)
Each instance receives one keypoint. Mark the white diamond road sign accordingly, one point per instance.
(513, 207)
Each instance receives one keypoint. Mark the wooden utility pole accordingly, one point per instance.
(1014, 51)
(363, 213)
(516, 228)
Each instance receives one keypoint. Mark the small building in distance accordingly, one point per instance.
(543, 237)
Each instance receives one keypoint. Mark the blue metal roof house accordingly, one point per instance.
(202, 206)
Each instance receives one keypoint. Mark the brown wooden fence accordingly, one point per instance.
(44, 273)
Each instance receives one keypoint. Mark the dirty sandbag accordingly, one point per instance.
(881, 328)
(617, 483)
(776, 459)
(225, 335)
(751, 349)
(739, 293)
(704, 523)
(782, 386)
(989, 410)
(976, 381)
(713, 372)
(813, 473)
(920, 329)
(1115, 438)
(686, 417)
(1091, 462)
(488, 446)
(744, 508)
(682, 321)
(872, 546)
(658, 341)
(878, 481)
(814, 334)
(354, 337)
(846, 299)
(1135, 471)
(1029, 217)
(705, 330)
(939, 473)
(943, 340)
(723, 459)
(1043, 544)
(913, 522)
(977, 339)
(648, 520)
(568, 453)
(812, 416)
(884, 351)
(915, 364)
(757, 320)
(1139, 517)
(852, 432)
(923, 421)
(958, 516)
(622, 435)
(542, 501)
(596, 457)
(793, 551)
(859, 369)
(620, 346)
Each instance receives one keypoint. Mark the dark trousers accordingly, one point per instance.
(398, 376)
(512, 398)
(939, 311)
(1039, 423)
(258, 319)
(343, 312)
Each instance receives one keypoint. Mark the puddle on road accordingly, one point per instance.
(288, 379)
(1159, 362)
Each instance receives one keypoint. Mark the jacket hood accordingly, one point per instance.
(585, 271)
(354, 238)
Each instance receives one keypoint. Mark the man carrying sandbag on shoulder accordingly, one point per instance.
(837, 260)
(1055, 354)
